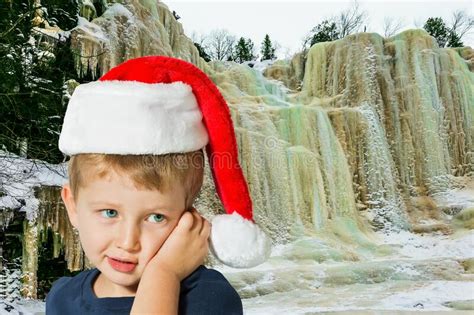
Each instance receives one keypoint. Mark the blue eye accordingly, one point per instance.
(156, 218)
(109, 213)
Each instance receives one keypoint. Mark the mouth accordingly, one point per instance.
(124, 260)
(121, 265)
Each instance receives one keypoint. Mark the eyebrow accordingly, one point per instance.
(111, 204)
(96, 203)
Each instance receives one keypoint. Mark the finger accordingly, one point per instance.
(203, 252)
(196, 216)
(206, 229)
(186, 221)
(206, 248)
(197, 225)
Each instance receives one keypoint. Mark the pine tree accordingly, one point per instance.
(241, 50)
(251, 50)
(244, 50)
(268, 50)
(446, 36)
(454, 40)
(437, 28)
(63, 13)
(33, 69)
(15, 30)
(325, 31)
(202, 52)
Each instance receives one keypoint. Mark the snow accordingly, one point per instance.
(437, 245)
(118, 9)
(429, 296)
(461, 198)
(22, 307)
(53, 32)
(260, 66)
(91, 29)
(19, 177)
(434, 245)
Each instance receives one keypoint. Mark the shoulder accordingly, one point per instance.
(203, 276)
(207, 291)
(65, 291)
(65, 284)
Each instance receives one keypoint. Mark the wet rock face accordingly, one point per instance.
(422, 96)
(129, 30)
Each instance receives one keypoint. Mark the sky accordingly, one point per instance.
(287, 22)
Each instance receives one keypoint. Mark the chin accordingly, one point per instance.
(125, 282)
(121, 278)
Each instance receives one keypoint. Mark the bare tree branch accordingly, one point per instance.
(461, 23)
(199, 39)
(391, 26)
(306, 40)
(418, 23)
(350, 20)
(220, 44)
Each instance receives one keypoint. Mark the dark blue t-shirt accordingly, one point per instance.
(205, 291)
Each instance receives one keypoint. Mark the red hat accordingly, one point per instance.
(169, 106)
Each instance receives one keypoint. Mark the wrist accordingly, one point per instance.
(160, 269)
(157, 282)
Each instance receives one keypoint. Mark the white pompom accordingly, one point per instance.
(238, 242)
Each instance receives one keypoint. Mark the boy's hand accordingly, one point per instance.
(182, 252)
(185, 248)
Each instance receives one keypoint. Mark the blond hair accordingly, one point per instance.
(151, 172)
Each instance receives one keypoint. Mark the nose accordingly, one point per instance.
(128, 237)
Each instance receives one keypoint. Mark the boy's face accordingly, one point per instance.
(117, 220)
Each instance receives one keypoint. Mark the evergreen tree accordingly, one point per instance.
(454, 40)
(251, 49)
(202, 52)
(346, 22)
(268, 50)
(15, 30)
(241, 50)
(325, 31)
(33, 69)
(437, 28)
(62, 13)
(244, 50)
(448, 36)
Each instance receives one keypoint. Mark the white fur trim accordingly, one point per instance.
(238, 242)
(129, 117)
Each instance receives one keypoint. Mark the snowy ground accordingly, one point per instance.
(424, 272)
(425, 275)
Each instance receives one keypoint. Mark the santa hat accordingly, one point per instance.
(158, 105)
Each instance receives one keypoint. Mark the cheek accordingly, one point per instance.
(87, 226)
(92, 234)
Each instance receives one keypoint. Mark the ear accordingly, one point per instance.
(68, 199)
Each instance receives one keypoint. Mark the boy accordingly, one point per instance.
(117, 220)
(136, 167)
